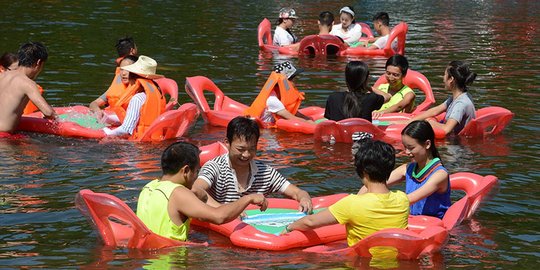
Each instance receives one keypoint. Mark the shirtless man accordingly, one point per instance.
(17, 87)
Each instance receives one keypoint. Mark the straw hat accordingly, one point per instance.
(144, 67)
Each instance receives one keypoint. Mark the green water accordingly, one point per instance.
(40, 175)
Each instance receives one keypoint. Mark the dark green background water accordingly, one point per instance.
(40, 175)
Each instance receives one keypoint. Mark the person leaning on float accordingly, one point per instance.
(144, 98)
(398, 97)
(18, 87)
(279, 97)
(126, 49)
(166, 205)
(348, 29)
(368, 212)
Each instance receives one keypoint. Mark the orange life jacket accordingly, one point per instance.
(30, 107)
(115, 91)
(150, 110)
(285, 90)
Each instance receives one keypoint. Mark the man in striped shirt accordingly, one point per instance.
(228, 177)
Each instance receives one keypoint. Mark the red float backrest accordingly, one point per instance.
(366, 30)
(489, 121)
(211, 151)
(116, 223)
(415, 80)
(264, 33)
(171, 124)
(321, 45)
(195, 87)
(168, 87)
(400, 32)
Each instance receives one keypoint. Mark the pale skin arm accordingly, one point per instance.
(385, 95)
(447, 127)
(405, 102)
(436, 183)
(287, 115)
(323, 218)
(186, 203)
(96, 105)
(202, 186)
(301, 196)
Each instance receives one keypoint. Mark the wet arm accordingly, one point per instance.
(301, 196)
(436, 183)
(314, 221)
(200, 186)
(188, 204)
(35, 96)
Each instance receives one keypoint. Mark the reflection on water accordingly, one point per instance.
(40, 175)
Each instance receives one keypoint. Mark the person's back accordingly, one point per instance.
(374, 207)
(358, 102)
(17, 87)
(325, 22)
(166, 205)
(153, 211)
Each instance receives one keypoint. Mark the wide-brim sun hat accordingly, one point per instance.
(144, 67)
(287, 13)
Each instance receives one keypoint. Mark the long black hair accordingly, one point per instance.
(462, 74)
(356, 77)
(421, 131)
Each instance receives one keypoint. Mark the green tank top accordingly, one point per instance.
(152, 210)
(396, 98)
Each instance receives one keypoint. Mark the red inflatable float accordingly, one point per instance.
(118, 226)
(332, 45)
(413, 79)
(424, 235)
(171, 124)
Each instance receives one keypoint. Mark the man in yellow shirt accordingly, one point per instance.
(167, 205)
(367, 213)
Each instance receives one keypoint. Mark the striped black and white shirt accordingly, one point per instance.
(223, 183)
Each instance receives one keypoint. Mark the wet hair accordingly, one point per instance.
(7, 59)
(178, 155)
(242, 127)
(29, 54)
(382, 17)
(421, 131)
(461, 73)
(375, 158)
(124, 46)
(132, 58)
(356, 77)
(326, 18)
(399, 61)
(353, 17)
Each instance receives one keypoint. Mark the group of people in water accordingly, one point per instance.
(224, 186)
(347, 30)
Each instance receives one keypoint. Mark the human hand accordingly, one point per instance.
(305, 205)
(376, 115)
(260, 200)
(285, 231)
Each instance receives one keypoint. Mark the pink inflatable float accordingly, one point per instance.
(332, 45)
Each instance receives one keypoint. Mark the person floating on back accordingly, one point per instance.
(166, 205)
(18, 87)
